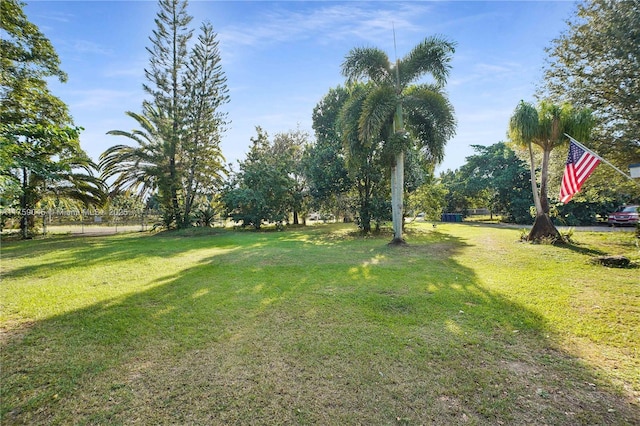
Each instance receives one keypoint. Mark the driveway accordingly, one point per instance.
(597, 228)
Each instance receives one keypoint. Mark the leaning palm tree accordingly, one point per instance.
(546, 127)
(399, 112)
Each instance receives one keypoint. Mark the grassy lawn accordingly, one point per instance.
(466, 325)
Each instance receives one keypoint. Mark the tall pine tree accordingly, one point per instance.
(168, 56)
(179, 144)
(206, 91)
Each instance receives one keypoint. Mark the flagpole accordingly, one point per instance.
(598, 157)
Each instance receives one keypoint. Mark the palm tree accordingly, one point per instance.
(142, 168)
(46, 161)
(546, 127)
(401, 113)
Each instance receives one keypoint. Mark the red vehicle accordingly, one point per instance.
(625, 215)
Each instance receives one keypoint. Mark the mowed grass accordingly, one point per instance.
(318, 325)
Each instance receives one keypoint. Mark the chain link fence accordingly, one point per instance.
(90, 221)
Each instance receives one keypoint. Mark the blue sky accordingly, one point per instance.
(281, 58)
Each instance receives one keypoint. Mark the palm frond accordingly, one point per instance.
(367, 64)
(88, 189)
(432, 56)
(139, 167)
(350, 114)
(430, 118)
(523, 125)
(377, 113)
(348, 122)
(70, 185)
(550, 124)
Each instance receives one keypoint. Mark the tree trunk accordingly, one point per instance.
(544, 177)
(190, 192)
(543, 228)
(365, 219)
(534, 185)
(365, 215)
(397, 192)
(173, 177)
(24, 220)
(397, 178)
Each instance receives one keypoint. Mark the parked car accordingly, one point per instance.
(625, 215)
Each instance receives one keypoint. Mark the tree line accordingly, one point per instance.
(376, 144)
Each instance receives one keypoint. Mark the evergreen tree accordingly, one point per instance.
(178, 153)
(288, 150)
(168, 55)
(206, 91)
(497, 176)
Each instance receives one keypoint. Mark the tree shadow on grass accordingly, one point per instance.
(62, 252)
(581, 249)
(303, 328)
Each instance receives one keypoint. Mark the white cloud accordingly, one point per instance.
(327, 24)
(85, 46)
(135, 69)
(56, 16)
(482, 72)
(494, 69)
(102, 98)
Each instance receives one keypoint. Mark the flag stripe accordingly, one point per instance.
(580, 165)
(585, 166)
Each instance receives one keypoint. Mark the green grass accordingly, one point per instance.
(317, 325)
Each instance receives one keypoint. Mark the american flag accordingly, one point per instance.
(580, 164)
